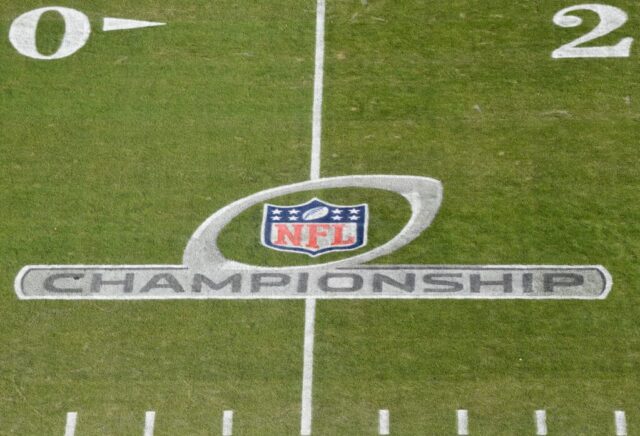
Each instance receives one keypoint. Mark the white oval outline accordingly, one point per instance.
(424, 195)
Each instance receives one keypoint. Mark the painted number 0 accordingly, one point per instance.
(77, 29)
(611, 18)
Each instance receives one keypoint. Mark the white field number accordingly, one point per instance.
(22, 33)
(77, 29)
(611, 18)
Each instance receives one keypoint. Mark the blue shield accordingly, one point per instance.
(315, 227)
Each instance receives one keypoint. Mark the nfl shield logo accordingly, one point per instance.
(315, 227)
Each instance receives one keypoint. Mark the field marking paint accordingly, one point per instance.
(70, 427)
(149, 422)
(621, 423)
(22, 33)
(77, 30)
(383, 422)
(611, 18)
(316, 227)
(424, 195)
(77, 282)
(227, 423)
(307, 366)
(463, 422)
(314, 174)
(316, 128)
(541, 422)
(109, 24)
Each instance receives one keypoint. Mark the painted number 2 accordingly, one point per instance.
(611, 18)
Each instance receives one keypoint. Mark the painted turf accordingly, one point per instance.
(384, 423)
(619, 419)
(423, 194)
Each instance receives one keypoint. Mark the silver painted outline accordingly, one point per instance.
(424, 195)
(607, 278)
(17, 282)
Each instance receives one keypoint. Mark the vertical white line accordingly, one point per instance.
(463, 422)
(149, 422)
(307, 365)
(541, 423)
(621, 423)
(227, 423)
(314, 173)
(316, 128)
(383, 422)
(70, 427)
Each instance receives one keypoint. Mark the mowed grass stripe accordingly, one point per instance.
(115, 155)
(537, 159)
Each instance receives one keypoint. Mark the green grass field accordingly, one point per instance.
(116, 154)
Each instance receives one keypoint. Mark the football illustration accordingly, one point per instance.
(315, 213)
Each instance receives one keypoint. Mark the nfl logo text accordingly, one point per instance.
(315, 227)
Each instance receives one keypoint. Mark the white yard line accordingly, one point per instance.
(227, 423)
(70, 427)
(621, 423)
(541, 423)
(383, 422)
(463, 422)
(149, 423)
(314, 174)
(316, 128)
(307, 365)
